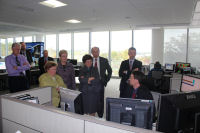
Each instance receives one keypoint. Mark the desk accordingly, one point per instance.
(3, 81)
(34, 75)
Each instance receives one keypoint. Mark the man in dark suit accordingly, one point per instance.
(28, 56)
(43, 60)
(105, 72)
(137, 89)
(26, 52)
(126, 67)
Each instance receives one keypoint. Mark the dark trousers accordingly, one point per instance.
(17, 83)
(100, 110)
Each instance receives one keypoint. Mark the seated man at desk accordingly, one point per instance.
(157, 67)
(137, 89)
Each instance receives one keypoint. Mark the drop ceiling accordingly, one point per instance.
(27, 16)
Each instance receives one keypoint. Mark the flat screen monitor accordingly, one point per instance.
(71, 100)
(177, 112)
(178, 67)
(151, 66)
(133, 112)
(190, 83)
(169, 67)
(2, 66)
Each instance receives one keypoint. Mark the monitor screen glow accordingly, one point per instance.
(169, 67)
(190, 83)
(2, 65)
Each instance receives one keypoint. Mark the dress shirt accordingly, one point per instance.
(11, 62)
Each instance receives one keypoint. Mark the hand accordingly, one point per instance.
(90, 79)
(25, 63)
(136, 69)
(15, 67)
(58, 89)
(125, 72)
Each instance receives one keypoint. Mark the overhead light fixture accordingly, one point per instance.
(74, 21)
(52, 3)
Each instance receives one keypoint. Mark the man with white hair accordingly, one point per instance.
(16, 65)
(105, 72)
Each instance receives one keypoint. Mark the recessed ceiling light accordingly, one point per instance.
(74, 21)
(52, 3)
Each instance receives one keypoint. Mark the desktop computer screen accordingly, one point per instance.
(177, 112)
(190, 83)
(71, 100)
(133, 112)
(169, 67)
(2, 66)
(151, 66)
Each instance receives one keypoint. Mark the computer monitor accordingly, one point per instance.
(151, 66)
(178, 67)
(71, 100)
(133, 112)
(176, 112)
(2, 66)
(190, 83)
(169, 67)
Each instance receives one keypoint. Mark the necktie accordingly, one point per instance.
(17, 61)
(130, 64)
(134, 94)
(45, 60)
(95, 64)
(18, 64)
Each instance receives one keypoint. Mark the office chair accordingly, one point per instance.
(157, 76)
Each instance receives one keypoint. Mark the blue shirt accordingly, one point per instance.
(10, 61)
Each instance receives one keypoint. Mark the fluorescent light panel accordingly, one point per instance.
(52, 3)
(74, 21)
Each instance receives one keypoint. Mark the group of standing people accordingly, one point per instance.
(94, 76)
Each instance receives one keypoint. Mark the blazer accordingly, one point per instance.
(41, 64)
(46, 80)
(142, 93)
(104, 66)
(125, 67)
(28, 56)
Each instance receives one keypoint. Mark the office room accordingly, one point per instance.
(143, 55)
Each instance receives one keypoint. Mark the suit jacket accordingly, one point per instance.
(104, 66)
(125, 67)
(28, 56)
(47, 80)
(142, 93)
(41, 64)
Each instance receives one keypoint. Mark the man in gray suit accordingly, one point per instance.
(103, 66)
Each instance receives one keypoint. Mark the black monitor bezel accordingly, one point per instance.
(167, 70)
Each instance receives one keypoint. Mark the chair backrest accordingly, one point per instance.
(157, 74)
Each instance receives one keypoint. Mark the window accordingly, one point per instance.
(10, 42)
(51, 45)
(194, 47)
(81, 45)
(28, 39)
(120, 43)
(3, 48)
(101, 40)
(18, 39)
(65, 43)
(175, 45)
(142, 43)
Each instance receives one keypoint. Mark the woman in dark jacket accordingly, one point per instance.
(90, 86)
(66, 70)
